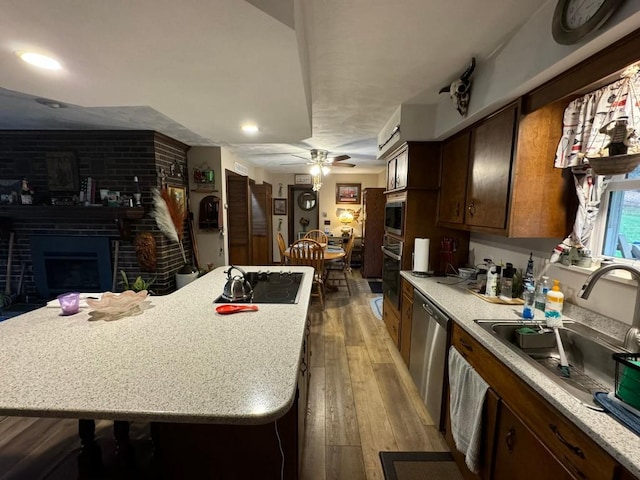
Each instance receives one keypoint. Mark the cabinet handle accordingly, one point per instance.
(556, 431)
(466, 345)
(458, 209)
(510, 439)
(472, 208)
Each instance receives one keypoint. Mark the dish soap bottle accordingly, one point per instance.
(555, 302)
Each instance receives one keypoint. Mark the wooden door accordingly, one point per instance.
(372, 231)
(520, 455)
(453, 190)
(492, 145)
(238, 225)
(261, 228)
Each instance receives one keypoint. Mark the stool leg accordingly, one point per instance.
(90, 456)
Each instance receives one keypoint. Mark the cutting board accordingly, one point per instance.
(497, 300)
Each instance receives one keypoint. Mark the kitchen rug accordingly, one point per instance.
(419, 466)
(375, 286)
(376, 306)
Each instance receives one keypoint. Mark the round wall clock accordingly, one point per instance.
(573, 19)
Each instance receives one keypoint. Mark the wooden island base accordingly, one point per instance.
(229, 451)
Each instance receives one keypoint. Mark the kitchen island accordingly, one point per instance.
(176, 363)
(464, 307)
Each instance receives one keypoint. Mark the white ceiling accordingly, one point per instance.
(326, 74)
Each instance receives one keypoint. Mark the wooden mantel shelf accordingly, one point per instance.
(88, 214)
(122, 216)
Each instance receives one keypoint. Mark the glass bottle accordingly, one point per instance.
(506, 286)
(541, 290)
(528, 311)
(137, 194)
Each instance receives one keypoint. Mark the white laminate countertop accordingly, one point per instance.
(178, 361)
(464, 307)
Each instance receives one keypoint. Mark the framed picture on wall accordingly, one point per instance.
(302, 179)
(279, 206)
(348, 193)
(62, 172)
(180, 194)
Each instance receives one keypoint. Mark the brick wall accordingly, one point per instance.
(112, 158)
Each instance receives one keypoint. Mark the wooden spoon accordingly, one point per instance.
(227, 309)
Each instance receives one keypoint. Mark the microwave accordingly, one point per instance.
(394, 217)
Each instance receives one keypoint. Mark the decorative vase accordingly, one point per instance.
(186, 275)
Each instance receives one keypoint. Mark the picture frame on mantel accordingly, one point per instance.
(302, 178)
(62, 172)
(348, 193)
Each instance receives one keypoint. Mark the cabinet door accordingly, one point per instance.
(520, 455)
(405, 325)
(391, 174)
(455, 162)
(490, 170)
(402, 170)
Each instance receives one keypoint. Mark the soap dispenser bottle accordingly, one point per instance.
(555, 301)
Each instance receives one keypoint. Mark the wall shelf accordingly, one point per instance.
(204, 190)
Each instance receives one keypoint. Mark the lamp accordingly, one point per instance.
(346, 217)
(318, 169)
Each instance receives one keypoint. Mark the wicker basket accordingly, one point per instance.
(614, 165)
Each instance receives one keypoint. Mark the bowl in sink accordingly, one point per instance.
(589, 353)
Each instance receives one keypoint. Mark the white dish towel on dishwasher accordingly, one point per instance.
(467, 394)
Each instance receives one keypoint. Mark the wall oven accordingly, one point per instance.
(394, 217)
(391, 265)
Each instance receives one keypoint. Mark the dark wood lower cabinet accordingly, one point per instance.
(519, 453)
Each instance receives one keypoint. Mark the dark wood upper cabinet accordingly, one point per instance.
(492, 144)
(455, 164)
(410, 167)
(512, 187)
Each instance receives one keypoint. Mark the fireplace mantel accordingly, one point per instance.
(122, 216)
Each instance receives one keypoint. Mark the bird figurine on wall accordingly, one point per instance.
(460, 90)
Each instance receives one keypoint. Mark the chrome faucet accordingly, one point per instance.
(632, 338)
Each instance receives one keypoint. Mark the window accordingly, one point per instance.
(618, 226)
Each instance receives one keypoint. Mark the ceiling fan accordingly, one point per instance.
(321, 158)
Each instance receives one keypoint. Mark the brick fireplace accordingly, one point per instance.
(112, 159)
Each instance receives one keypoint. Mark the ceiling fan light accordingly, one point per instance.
(315, 170)
(325, 170)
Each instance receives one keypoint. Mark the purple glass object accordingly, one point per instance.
(70, 303)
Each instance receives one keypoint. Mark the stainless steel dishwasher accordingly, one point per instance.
(428, 352)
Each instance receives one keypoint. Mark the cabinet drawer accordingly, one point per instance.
(407, 289)
(572, 447)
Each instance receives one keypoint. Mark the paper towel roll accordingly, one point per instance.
(421, 255)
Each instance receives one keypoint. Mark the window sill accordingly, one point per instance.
(619, 276)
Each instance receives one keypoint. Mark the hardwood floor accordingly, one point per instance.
(361, 401)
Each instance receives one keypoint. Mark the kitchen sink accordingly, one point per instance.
(589, 353)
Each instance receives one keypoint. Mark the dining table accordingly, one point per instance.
(331, 253)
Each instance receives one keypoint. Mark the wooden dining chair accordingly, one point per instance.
(317, 235)
(310, 253)
(337, 271)
(282, 246)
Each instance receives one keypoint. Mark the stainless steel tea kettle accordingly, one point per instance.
(237, 287)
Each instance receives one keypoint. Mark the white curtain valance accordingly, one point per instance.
(586, 115)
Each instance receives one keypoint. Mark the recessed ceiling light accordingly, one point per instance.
(38, 60)
(250, 128)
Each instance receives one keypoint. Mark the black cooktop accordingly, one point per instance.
(271, 287)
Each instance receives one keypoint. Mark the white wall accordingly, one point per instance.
(209, 242)
(526, 60)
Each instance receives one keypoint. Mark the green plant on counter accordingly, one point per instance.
(138, 285)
